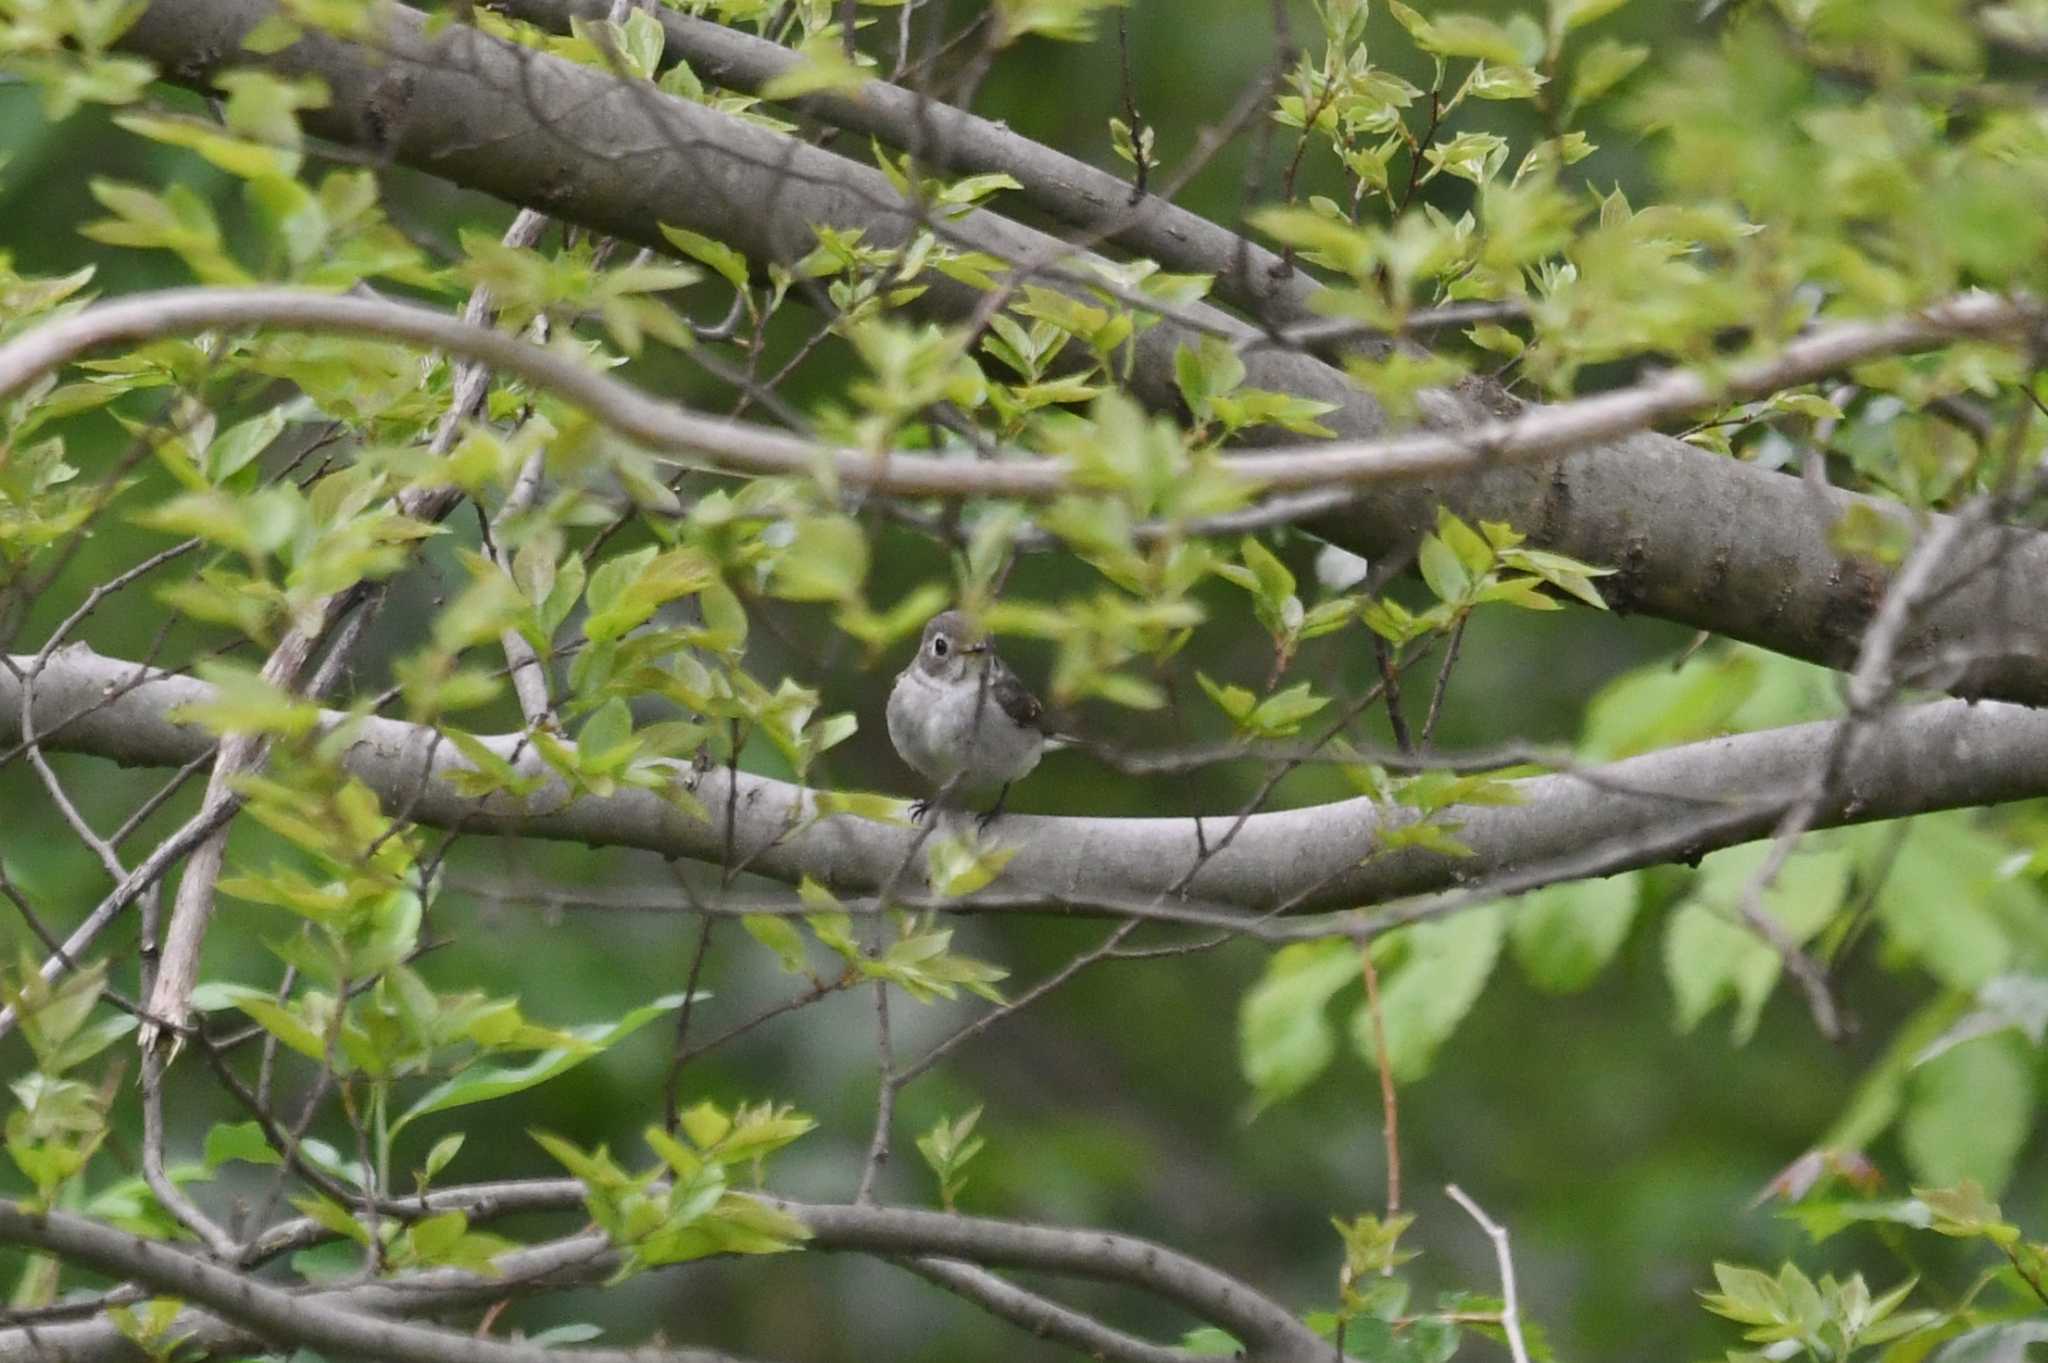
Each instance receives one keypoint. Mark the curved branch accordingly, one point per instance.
(1268, 1331)
(738, 447)
(1692, 532)
(1041, 1317)
(1715, 793)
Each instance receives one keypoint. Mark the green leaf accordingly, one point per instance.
(1710, 954)
(1205, 372)
(1564, 935)
(1425, 997)
(1654, 707)
(1475, 554)
(1443, 570)
(1234, 701)
(1275, 581)
(53, 1014)
(1284, 1036)
(240, 444)
(1566, 15)
(860, 804)
(959, 866)
(822, 68)
(279, 1021)
(948, 1148)
(238, 1141)
(779, 935)
(481, 1083)
(88, 1042)
(1280, 715)
(438, 1157)
(1459, 35)
(1968, 1113)
(1966, 1211)
(826, 560)
(626, 591)
(1951, 903)
(1605, 65)
(595, 1170)
(332, 1217)
(729, 263)
(1207, 1341)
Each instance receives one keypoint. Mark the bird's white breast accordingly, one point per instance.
(945, 728)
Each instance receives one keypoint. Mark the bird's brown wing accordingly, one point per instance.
(1017, 702)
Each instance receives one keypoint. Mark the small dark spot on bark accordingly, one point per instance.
(1716, 580)
(1557, 506)
(1624, 591)
(1854, 590)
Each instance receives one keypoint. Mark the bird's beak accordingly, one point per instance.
(975, 648)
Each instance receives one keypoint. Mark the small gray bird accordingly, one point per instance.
(960, 717)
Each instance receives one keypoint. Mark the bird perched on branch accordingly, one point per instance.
(960, 717)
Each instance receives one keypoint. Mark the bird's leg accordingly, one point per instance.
(982, 821)
(918, 809)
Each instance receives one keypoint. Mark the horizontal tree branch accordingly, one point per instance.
(1692, 533)
(1725, 791)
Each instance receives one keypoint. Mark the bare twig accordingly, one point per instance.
(885, 1097)
(1510, 1311)
(1390, 1109)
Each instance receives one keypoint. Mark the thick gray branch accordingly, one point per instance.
(1710, 542)
(1248, 276)
(1717, 793)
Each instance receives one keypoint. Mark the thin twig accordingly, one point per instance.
(1389, 1108)
(885, 1098)
(1510, 1307)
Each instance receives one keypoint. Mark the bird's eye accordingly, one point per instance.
(939, 646)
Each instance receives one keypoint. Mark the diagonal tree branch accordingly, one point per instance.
(574, 1261)
(1690, 531)
(279, 1316)
(1248, 276)
(1028, 1310)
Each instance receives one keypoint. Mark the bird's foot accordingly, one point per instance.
(918, 809)
(982, 821)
